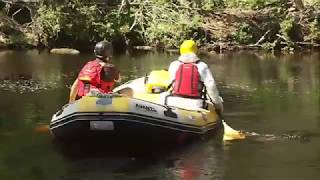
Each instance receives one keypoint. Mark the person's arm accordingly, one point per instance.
(212, 90)
(110, 72)
(73, 91)
(173, 67)
(117, 76)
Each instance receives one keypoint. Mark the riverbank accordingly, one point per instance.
(217, 25)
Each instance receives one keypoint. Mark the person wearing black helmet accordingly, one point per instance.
(98, 75)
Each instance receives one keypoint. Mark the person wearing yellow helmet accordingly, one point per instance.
(188, 47)
(192, 80)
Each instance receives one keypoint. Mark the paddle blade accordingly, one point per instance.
(230, 133)
(42, 129)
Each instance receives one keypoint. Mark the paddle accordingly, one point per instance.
(42, 128)
(229, 133)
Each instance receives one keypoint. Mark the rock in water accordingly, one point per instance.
(64, 51)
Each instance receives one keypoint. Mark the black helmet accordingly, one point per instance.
(103, 49)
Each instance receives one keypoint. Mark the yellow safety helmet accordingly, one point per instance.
(188, 46)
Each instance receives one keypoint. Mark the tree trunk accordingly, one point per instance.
(299, 4)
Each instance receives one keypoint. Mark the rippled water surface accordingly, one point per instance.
(275, 100)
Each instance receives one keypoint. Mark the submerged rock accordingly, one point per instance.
(64, 51)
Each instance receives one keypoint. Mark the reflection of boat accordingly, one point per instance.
(119, 117)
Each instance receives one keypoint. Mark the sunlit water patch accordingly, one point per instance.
(25, 86)
(300, 136)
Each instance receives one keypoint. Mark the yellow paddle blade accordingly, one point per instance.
(43, 128)
(230, 133)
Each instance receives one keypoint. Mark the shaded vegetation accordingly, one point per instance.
(215, 24)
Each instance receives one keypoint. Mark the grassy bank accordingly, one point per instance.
(217, 25)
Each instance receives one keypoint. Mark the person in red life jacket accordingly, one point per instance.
(98, 75)
(192, 80)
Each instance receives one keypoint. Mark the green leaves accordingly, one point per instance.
(252, 4)
(315, 30)
(243, 35)
(74, 18)
(167, 25)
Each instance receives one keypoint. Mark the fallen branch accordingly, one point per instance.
(15, 13)
(263, 37)
(284, 38)
(308, 44)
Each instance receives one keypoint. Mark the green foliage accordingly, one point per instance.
(289, 28)
(286, 27)
(163, 23)
(18, 39)
(49, 21)
(169, 33)
(268, 46)
(79, 19)
(73, 18)
(2, 5)
(244, 34)
(291, 32)
(208, 5)
(252, 4)
(315, 30)
(166, 25)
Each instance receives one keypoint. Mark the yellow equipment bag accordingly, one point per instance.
(158, 81)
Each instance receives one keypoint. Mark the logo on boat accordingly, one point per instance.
(146, 108)
(104, 101)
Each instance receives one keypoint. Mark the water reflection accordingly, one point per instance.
(264, 94)
(202, 160)
(197, 162)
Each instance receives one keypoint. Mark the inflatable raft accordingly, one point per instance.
(133, 113)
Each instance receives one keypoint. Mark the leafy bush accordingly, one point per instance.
(287, 27)
(291, 30)
(49, 21)
(243, 35)
(2, 5)
(162, 23)
(268, 46)
(315, 30)
(166, 25)
(252, 4)
(79, 19)
(208, 5)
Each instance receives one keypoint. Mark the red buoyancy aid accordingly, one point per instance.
(187, 81)
(90, 78)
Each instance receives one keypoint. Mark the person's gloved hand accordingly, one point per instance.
(219, 107)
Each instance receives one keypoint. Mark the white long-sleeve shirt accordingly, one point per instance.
(205, 75)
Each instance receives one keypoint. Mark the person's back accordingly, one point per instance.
(187, 81)
(194, 77)
(97, 75)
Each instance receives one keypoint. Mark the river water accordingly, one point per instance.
(275, 100)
